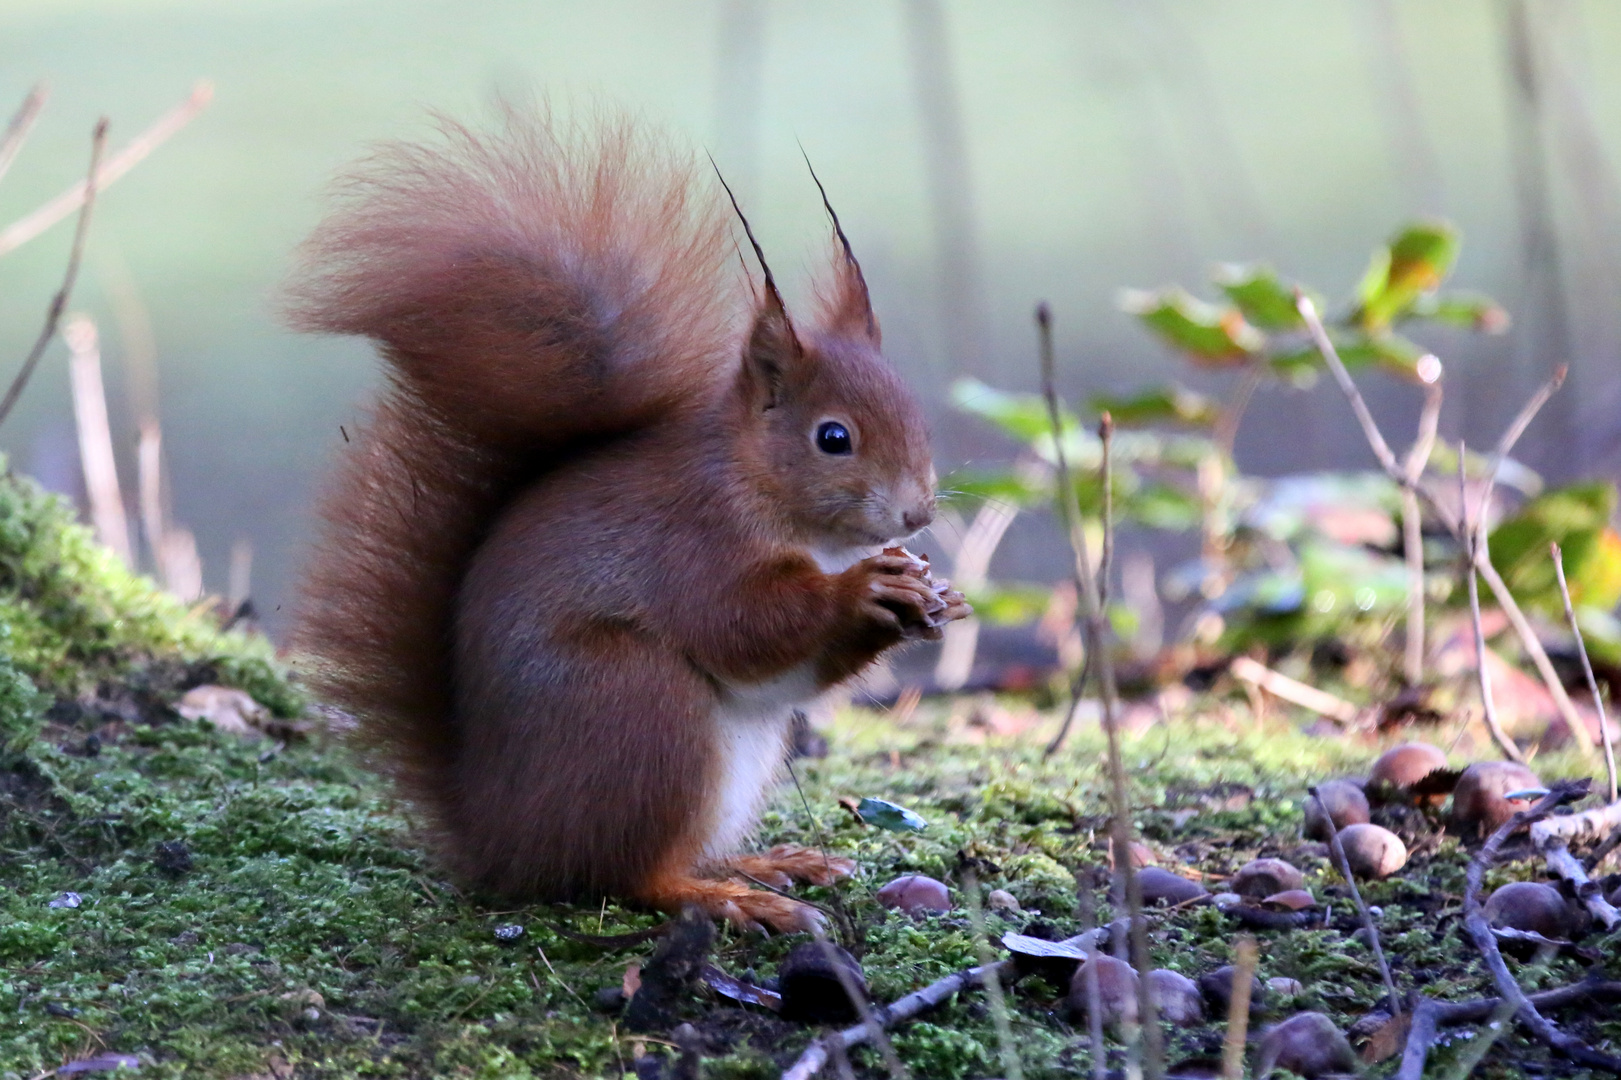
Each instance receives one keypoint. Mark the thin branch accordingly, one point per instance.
(1472, 539)
(1431, 1015)
(1480, 932)
(1238, 1010)
(1582, 828)
(1567, 866)
(1587, 667)
(22, 122)
(53, 315)
(1293, 690)
(1413, 529)
(1008, 1050)
(24, 229)
(1500, 592)
(1343, 865)
(1089, 980)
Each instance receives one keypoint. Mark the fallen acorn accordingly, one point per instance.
(1345, 804)
(1163, 887)
(1217, 988)
(1405, 765)
(811, 987)
(1176, 998)
(1283, 986)
(1373, 851)
(915, 894)
(1478, 806)
(1307, 1044)
(1002, 900)
(1264, 877)
(1533, 906)
(1117, 990)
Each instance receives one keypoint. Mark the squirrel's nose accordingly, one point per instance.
(917, 519)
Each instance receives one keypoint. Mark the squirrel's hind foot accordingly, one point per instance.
(746, 908)
(787, 863)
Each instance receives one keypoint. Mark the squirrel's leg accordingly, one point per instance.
(787, 863)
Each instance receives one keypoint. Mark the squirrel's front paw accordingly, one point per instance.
(919, 605)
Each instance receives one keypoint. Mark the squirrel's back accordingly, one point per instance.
(534, 292)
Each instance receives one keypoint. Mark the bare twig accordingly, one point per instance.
(59, 302)
(24, 229)
(1431, 1015)
(1343, 865)
(1480, 932)
(1387, 461)
(1091, 605)
(1472, 539)
(1106, 558)
(1293, 690)
(22, 122)
(96, 439)
(1413, 528)
(1582, 828)
(1567, 866)
(1587, 666)
(1238, 1010)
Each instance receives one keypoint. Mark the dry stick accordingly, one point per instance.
(1387, 461)
(1009, 1052)
(1091, 603)
(24, 229)
(22, 122)
(1587, 666)
(1480, 932)
(1567, 866)
(53, 315)
(1472, 538)
(1238, 1010)
(1413, 529)
(1343, 865)
(1497, 1025)
(95, 438)
(1294, 691)
(1582, 828)
(1430, 1015)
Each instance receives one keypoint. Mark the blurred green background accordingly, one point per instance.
(982, 155)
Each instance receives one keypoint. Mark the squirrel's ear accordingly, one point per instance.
(771, 351)
(847, 307)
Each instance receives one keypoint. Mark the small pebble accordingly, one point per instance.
(1002, 900)
(1284, 986)
(67, 900)
(915, 894)
(507, 933)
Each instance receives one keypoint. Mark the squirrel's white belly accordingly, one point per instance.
(752, 724)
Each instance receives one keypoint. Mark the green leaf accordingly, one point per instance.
(1356, 351)
(1164, 506)
(1166, 404)
(1414, 263)
(1577, 517)
(1005, 604)
(1257, 292)
(1023, 416)
(1468, 310)
(890, 816)
(1211, 336)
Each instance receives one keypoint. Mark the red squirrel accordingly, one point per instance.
(614, 517)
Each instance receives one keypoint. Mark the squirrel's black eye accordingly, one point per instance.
(833, 438)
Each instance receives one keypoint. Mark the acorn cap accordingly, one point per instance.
(812, 991)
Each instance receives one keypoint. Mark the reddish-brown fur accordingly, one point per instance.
(580, 530)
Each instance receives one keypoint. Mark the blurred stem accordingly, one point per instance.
(1413, 531)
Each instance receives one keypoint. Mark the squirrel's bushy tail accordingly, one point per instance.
(531, 290)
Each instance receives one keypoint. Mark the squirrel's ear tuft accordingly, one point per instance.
(846, 305)
(772, 350)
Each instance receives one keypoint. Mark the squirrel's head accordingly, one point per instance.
(845, 439)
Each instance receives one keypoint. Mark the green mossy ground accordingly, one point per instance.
(310, 937)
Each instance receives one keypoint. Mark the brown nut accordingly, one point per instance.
(1176, 998)
(1002, 900)
(811, 987)
(1478, 806)
(915, 894)
(1163, 887)
(1263, 877)
(1533, 906)
(1407, 764)
(1345, 803)
(1307, 1044)
(1117, 990)
(1373, 852)
(1217, 988)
